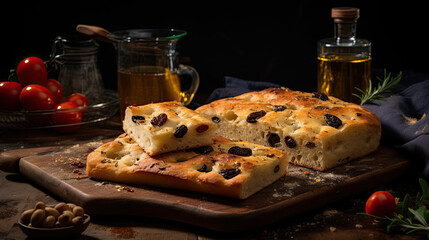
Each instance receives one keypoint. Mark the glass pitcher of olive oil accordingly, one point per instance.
(149, 69)
(344, 61)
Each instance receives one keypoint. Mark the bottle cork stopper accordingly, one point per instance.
(341, 14)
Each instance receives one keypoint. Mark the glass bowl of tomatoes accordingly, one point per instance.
(30, 99)
(65, 117)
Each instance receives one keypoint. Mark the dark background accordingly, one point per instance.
(266, 41)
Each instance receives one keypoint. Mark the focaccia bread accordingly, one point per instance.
(225, 168)
(317, 131)
(167, 126)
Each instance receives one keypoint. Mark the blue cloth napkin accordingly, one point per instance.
(235, 86)
(405, 124)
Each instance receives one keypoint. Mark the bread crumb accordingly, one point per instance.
(358, 226)
(332, 229)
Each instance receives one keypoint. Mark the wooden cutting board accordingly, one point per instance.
(62, 173)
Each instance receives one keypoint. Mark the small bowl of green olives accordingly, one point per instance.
(64, 220)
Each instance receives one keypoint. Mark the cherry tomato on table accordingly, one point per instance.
(36, 97)
(32, 70)
(9, 96)
(56, 89)
(64, 117)
(381, 204)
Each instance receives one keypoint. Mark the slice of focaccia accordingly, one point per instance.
(167, 126)
(317, 131)
(225, 168)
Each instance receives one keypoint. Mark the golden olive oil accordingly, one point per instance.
(339, 77)
(147, 84)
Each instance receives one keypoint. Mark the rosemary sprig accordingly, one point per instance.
(385, 87)
(408, 217)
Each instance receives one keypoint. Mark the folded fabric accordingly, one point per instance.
(235, 86)
(405, 125)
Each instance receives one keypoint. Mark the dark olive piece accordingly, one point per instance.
(203, 168)
(215, 120)
(244, 152)
(202, 128)
(310, 145)
(180, 131)
(273, 139)
(137, 118)
(333, 121)
(290, 142)
(320, 96)
(229, 173)
(202, 150)
(279, 108)
(254, 116)
(159, 120)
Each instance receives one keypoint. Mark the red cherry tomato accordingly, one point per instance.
(56, 89)
(9, 96)
(78, 98)
(381, 204)
(36, 97)
(64, 117)
(32, 70)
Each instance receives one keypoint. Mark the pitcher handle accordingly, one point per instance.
(186, 96)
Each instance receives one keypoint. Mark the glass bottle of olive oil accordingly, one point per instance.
(344, 61)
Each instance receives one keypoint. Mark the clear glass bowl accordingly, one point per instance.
(103, 109)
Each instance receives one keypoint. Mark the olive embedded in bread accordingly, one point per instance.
(338, 134)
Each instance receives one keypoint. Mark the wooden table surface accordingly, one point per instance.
(337, 220)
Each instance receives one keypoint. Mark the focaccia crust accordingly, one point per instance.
(213, 169)
(317, 131)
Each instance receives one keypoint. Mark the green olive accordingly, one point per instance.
(78, 211)
(37, 217)
(49, 221)
(77, 220)
(71, 205)
(62, 206)
(40, 205)
(69, 213)
(65, 218)
(26, 215)
(50, 211)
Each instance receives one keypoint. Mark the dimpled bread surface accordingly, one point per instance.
(317, 131)
(167, 126)
(225, 168)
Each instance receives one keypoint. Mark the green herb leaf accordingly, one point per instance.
(419, 215)
(402, 207)
(385, 87)
(424, 187)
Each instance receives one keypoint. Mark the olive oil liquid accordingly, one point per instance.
(147, 84)
(339, 76)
